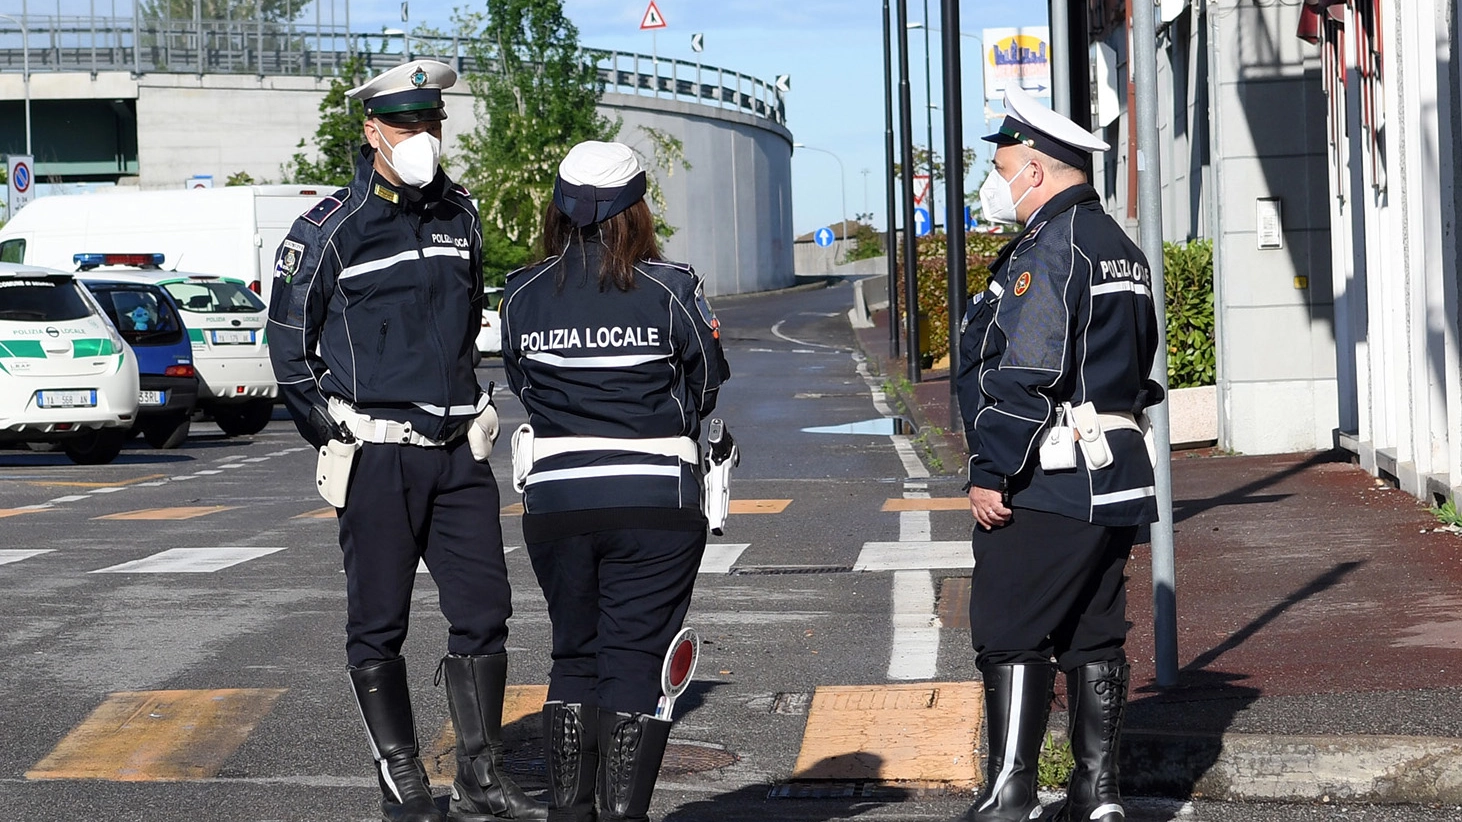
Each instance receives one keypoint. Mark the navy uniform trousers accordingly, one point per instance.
(1046, 585)
(617, 598)
(407, 503)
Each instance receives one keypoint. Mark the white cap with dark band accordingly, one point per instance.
(1033, 125)
(596, 181)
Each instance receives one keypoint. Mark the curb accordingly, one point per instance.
(1277, 768)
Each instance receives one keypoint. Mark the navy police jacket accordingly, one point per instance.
(588, 361)
(1068, 317)
(377, 301)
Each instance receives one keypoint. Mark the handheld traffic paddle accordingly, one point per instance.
(679, 668)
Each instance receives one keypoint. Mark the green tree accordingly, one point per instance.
(536, 100)
(337, 138)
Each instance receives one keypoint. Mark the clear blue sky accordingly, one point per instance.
(832, 49)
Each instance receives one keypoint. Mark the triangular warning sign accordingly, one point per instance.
(653, 18)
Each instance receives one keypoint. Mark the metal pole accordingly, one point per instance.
(890, 222)
(911, 262)
(954, 190)
(1060, 56)
(1149, 203)
(929, 116)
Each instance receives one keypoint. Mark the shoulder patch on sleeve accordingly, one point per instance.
(291, 257)
(707, 315)
(323, 209)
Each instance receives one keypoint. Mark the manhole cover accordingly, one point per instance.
(680, 759)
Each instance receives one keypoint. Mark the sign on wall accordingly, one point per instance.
(1020, 57)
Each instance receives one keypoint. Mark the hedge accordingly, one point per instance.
(1188, 269)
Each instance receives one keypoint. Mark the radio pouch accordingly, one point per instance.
(1058, 444)
(1092, 438)
(333, 470)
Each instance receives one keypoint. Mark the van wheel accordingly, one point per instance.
(166, 431)
(97, 447)
(245, 418)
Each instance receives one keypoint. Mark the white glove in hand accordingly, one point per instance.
(482, 433)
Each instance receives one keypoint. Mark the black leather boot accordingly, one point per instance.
(1097, 695)
(385, 705)
(1017, 704)
(631, 747)
(482, 791)
(571, 748)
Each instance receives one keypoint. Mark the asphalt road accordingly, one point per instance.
(208, 683)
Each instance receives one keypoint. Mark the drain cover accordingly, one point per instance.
(680, 759)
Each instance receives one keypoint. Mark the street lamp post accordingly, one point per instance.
(911, 259)
(24, 71)
(890, 220)
(842, 183)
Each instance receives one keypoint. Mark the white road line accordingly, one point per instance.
(915, 628)
(720, 557)
(208, 473)
(255, 459)
(188, 561)
(152, 484)
(72, 498)
(181, 478)
(230, 466)
(915, 556)
(9, 555)
(915, 526)
(777, 332)
(105, 490)
(279, 453)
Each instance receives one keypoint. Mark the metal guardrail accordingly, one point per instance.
(259, 47)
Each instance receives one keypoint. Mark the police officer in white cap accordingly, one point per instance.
(376, 305)
(1053, 381)
(617, 358)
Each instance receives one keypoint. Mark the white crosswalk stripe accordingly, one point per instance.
(189, 561)
(720, 557)
(9, 555)
(914, 556)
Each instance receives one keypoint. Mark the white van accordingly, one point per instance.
(228, 232)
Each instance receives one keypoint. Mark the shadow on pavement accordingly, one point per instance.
(1184, 509)
(1173, 737)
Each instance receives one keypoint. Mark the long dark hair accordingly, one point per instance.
(628, 238)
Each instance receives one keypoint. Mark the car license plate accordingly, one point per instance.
(67, 399)
(152, 397)
(233, 337)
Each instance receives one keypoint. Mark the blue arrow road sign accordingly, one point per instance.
(823, 237)
(921, 222)
(970, 221)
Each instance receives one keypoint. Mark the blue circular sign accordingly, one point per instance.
(823, 237)
(22, 177)
(921, 222)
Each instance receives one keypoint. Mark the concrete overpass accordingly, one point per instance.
(142, 104)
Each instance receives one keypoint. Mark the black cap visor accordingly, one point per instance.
(1013, 132)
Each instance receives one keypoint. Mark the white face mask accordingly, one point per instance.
(414, 159)
(997, 203)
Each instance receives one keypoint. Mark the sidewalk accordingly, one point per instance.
(1319, 629)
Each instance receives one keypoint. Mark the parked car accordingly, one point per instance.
(490, 338)
(226, 326)
(66, 375)
(150, 321)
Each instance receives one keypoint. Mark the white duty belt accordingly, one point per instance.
(528, 449)
(369, 429)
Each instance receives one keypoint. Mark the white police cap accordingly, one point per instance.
(1029, 123)
(408, 93)
(597, 180)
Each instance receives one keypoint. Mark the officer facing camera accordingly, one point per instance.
(1054, 359)
(617, 358)
(377, 302)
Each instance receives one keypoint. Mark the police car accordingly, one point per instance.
(226, 326)
(66, 375)
(149, 320)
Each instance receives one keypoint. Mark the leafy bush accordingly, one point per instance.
(867, 243)
(1188, 279)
